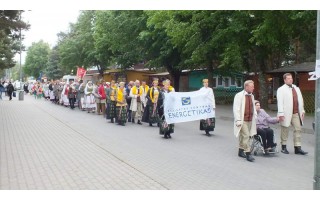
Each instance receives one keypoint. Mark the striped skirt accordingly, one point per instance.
(122, 117)
(208, 124)
(153, 115)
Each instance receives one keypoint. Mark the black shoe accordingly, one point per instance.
(139, 122)
(298, 150)
(112, 121)
(241, 153)
(284, 149)
(266, 152)
(150, 124)
(249, 157)
(169, 136)
(133, 121)
(207, 133)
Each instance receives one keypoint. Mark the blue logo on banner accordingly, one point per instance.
(186, 101)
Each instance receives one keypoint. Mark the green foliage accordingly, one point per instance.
(53, 70)
(117, 37)
(37, 58)
(10, 24)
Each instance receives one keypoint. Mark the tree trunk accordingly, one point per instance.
(210, 70)
(175, 74)
(176, 81)
(263, 90)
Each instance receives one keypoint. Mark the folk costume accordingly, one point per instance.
(136, 105)
(245, 115)
(111, 102)
(90, 102)
(208, 125)
(164, 128)
(121, 106)
(82, 96)
(151, 114)
(291, 106)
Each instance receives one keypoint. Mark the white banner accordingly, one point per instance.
(188, 106)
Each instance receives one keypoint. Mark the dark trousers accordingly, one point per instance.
(129, 114)
(10, 95)
(71, 102)
(266, 135)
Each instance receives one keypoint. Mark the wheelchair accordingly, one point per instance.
(257, 146)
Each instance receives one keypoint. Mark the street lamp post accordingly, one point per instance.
(316, 178)
(20, 50)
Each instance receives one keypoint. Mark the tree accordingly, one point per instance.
(53, 70)
(159, 51)
(10, 24)
(280, 38)
(117, 37)
(37, 58)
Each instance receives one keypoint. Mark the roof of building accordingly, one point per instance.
(302, 67)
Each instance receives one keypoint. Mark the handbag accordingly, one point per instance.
(14, 94)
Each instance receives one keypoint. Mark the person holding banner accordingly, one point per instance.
(151, 115)
(245, 115)
(208, 125)
(111, 101)
(164, 128)
(121, 106)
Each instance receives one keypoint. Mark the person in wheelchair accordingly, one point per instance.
(263, 129)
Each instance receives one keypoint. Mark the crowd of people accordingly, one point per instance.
(138, 103)
(134, 102)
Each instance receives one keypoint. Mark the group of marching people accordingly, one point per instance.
(135, 103)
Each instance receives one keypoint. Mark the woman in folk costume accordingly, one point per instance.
(111, 101)
(164, 128)
(64, 95)
(60, 89)
(245, 115)
(151, 111)
(90, 101)
(101, 100)
(46, 91)
(39, 91)
(136, 105)
(55, 91)
(121, 106)
(81, 104)
(208, 125)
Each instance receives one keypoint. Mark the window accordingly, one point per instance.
(233, 81)
(220, 81)
(226, 82)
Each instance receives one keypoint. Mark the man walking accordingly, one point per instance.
(136, 93)
(290, 111)
(245, 114)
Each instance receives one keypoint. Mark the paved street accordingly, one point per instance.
(46, 146)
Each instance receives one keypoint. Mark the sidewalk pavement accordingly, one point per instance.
(38, 151)
(46, 146)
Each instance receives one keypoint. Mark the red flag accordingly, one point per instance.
(81, 72)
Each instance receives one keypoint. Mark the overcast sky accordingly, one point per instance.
(45, 24)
